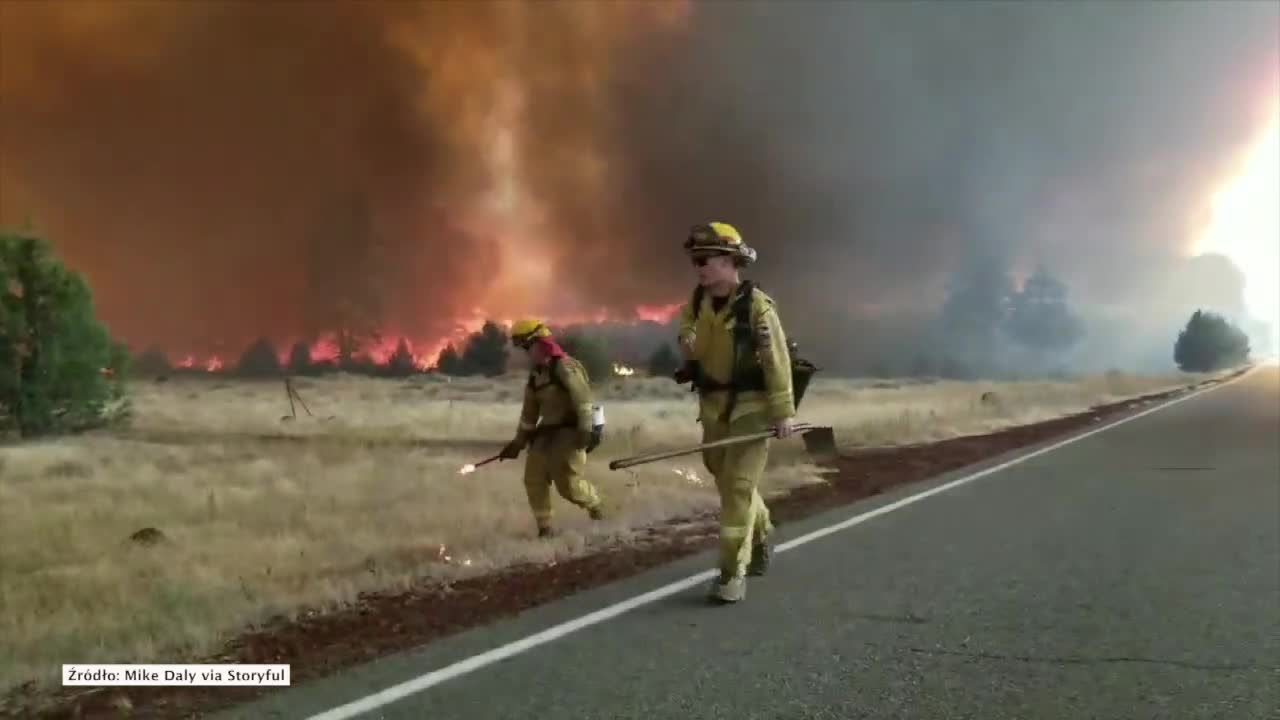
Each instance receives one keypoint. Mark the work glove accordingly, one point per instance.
(511, 450)
(597, 434)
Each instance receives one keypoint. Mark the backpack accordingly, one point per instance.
(554, 365)
(571, 419)
(747, 373)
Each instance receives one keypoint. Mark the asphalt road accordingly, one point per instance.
(1132, 574)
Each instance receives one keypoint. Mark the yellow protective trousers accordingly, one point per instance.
(555, 459)
(744, 518)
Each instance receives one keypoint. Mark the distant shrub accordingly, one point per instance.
(1210, 342)
(259, 360)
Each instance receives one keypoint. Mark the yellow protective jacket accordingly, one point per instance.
(560, 400)
(707, 336)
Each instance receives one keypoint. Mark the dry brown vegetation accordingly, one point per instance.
(260, 517)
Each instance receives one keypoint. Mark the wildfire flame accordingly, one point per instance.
(426, 353)
(689, 475)
(467, 469)
(443, 554)
(658, 313)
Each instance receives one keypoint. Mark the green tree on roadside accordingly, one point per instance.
(60, 370)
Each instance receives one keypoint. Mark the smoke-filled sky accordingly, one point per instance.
(226, 170)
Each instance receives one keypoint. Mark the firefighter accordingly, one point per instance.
(558, 392)
(737, 358)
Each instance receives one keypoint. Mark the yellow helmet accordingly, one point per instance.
(524, 332)
(718, 238)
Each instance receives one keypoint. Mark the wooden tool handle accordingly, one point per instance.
(653, 457)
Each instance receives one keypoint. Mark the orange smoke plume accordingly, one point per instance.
(398, 178)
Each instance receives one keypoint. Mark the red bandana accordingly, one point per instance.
(550, 347)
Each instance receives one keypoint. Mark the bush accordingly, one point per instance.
(300, 360)
(1210, 342)
(60, 370)
(259, 361)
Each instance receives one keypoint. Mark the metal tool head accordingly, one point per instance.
(820, 443)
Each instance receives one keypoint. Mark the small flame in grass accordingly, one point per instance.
(689, 475)
(467, 469)
(623, 370)
(443, 554)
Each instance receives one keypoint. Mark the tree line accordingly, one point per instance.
(61, 371)
(485, 353)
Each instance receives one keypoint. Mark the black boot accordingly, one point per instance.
(760, 554)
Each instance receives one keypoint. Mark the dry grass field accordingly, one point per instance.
(263, 517)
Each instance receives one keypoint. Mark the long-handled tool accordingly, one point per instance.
(819, 441)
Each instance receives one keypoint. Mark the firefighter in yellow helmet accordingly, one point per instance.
(736, 356)
(558, 393)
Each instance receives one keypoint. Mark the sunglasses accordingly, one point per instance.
(702, 260)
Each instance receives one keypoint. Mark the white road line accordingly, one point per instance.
(489, 657)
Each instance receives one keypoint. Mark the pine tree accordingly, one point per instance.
(486, 352)
(449, 362)
(401, 362)
(300, 359)
(60, 370)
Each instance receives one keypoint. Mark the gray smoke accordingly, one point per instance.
(871, 150)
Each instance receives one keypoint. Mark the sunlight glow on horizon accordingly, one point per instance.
(1245, 227)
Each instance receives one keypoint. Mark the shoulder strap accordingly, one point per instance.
(744, 343)
(555, 372)
(742, 310)
(555, 376)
